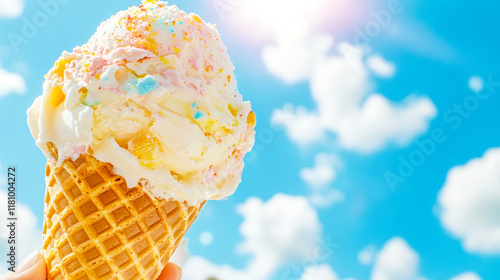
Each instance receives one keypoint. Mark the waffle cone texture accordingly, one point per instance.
(95, 227)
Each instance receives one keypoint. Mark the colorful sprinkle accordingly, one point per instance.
(90, 103)
(196, 18)
(194, 105)
(142, 86)
(147, 84)
(198, 115)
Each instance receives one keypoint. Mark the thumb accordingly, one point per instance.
(171, 272)
(31, 268)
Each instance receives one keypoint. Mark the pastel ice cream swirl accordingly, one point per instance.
(153, 93)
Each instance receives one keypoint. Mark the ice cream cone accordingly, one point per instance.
(95, 227)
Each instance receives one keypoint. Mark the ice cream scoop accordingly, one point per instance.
(153, 93)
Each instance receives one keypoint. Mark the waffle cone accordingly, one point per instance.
(95, 227)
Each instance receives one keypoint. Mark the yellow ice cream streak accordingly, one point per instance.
(60, 66)
(56, 96)
(251, 120)
(147, 149)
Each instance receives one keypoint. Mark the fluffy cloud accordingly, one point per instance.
(323, 272)
(301, 126)
(396, 261)
(322, 173)
(340, 87)
(284, 229)
(367, 255)
(476, 84)
(380, 122)
(306, 49)
(199, 268)
(380, 66)
(11, 82)
(467, 276)
(319, 177)
(11, 8)
(470, 203)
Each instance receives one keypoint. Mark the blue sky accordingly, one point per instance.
(420, 63)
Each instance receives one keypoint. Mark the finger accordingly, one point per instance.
(171, 272)
(31, 268)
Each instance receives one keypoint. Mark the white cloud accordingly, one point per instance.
(364, 122)
(323, 272)
(11, 8)
(380, 66)
(476, 84)
(322, 173)
(380, 122)
(339, 85)
(282, 230)
(199, 268)
(305, 48)
(301, 126)
(11, 82)
(467, 276)
(470, 203)
(396, 261)
(367, 255)
(319, 177)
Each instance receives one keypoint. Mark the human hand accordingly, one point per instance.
(33, 268)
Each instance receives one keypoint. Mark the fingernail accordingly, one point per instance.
(28, 262)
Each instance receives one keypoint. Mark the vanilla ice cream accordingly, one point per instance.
(153, 93)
